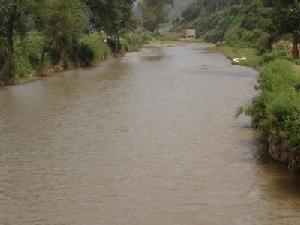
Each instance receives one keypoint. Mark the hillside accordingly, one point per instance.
(238, 25)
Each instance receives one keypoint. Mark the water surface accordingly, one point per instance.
(148, 139)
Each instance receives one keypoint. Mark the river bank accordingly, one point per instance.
(52, 70)
(96, 51)
(252, 59)
(246, 34)
(275, 112)
(32, 63)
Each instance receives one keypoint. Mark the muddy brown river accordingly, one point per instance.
(148, 139)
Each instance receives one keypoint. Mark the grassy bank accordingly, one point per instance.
(31, 61)
(240, 32)
(252, 58)
(276, 110)
(248, 33)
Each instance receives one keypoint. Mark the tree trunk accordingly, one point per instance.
(118, 43)
(42, 61)
(42, 70)
(6, 72)
(295, 47)
(4, 77)
(61, 62)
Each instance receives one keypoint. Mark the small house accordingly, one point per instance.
(189, 33)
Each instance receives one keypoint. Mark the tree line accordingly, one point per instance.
(54, 29)
(261, 21)
(60, 23)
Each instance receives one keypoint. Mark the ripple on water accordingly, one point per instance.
(146, 139)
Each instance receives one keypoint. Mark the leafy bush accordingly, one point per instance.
(297, 62)
(250, 21)
(276, 111)
(85, 51)
(269, 56)
(27, 55)
(134, 40)
(92, 48)
(264, 43)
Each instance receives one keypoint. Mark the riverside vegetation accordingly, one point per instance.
(38, 37)
(267, 33)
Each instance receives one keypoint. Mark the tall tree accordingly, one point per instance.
(12, 22)
(287, 20)
(62, 23)
(111, 16)
(154, 12)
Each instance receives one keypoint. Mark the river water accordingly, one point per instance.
(148, 139)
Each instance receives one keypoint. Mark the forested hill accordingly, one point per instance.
(245, 23)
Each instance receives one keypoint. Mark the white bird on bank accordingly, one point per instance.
(238, 60)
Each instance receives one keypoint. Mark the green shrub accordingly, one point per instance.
(214, 36)
(264, 43)
(269, 56)
(297, 62)
(276, 110)
(27, 55)
(92, 48)
(133, 41)
(250, 21)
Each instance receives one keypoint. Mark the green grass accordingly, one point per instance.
(27, 55)
(276, 110)
(253, 59)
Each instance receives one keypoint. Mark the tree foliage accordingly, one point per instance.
(111, 17)
(14, 15)
(245, 23)
(287, 20)
(63, 22)
(153, 13)
(60, 25)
